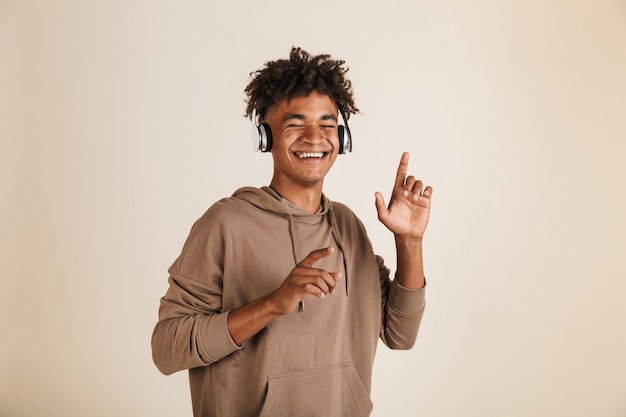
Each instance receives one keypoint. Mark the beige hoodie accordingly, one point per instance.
(316, 362)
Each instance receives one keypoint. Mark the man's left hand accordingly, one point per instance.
(409, 208)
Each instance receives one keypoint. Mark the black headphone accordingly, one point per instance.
(262, 135)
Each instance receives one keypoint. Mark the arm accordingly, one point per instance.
(407, 217)
(192, 330)
(192, 327)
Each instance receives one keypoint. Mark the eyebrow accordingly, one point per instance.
(298, 116)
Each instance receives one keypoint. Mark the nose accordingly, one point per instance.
(313, 135)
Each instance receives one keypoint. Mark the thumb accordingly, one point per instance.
(381, 208)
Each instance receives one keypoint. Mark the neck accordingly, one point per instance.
(307, 198)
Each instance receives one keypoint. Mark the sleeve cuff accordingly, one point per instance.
(405, 300)
(217, 342)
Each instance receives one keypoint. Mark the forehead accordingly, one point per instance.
(314, 105)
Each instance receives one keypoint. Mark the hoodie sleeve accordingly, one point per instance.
(192, 328)
(402, 310)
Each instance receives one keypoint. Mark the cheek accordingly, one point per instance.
(333, 156)
(283, 142)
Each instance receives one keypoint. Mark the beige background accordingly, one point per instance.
(121, 122)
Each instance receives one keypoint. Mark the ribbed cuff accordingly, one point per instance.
(405, 300)
(216, 342)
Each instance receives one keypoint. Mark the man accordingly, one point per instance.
(277, 300)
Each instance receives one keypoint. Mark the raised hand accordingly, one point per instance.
(409, 208)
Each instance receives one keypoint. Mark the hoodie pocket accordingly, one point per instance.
(330, 392)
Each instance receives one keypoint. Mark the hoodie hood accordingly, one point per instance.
(265, 198)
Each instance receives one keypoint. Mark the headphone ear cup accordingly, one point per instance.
(265, 137)
(261, 135)
(345, 139)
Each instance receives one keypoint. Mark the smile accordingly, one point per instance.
(307, 155)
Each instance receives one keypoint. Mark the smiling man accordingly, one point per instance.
(277, 300)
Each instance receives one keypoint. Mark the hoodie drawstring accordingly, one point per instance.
(337, 236)
(292, 235)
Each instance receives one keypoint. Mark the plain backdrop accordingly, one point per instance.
(121, 121)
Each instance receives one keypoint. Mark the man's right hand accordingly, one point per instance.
(305, 280)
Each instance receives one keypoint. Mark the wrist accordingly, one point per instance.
(274, 305)
(408, 241)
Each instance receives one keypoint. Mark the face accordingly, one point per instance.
(305, 140)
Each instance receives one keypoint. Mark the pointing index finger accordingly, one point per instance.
(402, 169)
(315, 256)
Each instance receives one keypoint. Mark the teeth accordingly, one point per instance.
(310, 155)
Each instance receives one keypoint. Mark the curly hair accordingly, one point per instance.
(298, 76)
